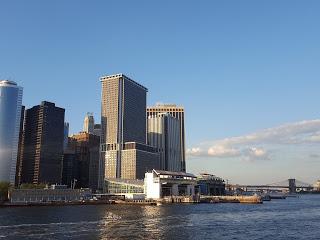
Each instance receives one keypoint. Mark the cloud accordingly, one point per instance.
(256, 146)
(223, 151)
(195, 151)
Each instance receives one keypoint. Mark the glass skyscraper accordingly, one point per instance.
(10, 117)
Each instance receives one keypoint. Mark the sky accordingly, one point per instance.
(247, 72)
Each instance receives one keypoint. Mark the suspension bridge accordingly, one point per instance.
(291, 185)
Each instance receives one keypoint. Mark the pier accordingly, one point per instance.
(231, 199)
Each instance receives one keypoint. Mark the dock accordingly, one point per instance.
(231, 199)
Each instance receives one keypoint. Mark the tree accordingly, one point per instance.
(4, 188)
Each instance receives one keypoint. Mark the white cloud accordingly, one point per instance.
(222, 151)
(256, 146)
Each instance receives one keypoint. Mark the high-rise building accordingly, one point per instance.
(43, 144)
(123, 129)
(88, 123)
(81, 161)
(178, 113)
(164, 135)
(20, 148)
(66, 135)
(10, 118)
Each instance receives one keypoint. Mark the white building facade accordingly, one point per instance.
(161, 184)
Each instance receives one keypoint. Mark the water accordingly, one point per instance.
(294, 218)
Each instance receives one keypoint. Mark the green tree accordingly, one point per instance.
(32, 186)
(4, 188)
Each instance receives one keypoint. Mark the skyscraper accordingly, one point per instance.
(10, 116)
(123, 124)
(88, 124)
(43, 144)
(178, 113)
(164, 135)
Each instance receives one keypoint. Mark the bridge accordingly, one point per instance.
(292, 185)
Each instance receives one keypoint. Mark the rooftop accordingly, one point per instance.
(8, 83)
(121, 75)
(183, 174)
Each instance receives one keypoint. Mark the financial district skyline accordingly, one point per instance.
(127, 144)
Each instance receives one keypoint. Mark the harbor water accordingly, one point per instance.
(293, 218)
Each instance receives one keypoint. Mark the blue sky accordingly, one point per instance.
(238, 68)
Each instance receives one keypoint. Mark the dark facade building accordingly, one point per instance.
(81, 161)
(70, 172)
(43, 144)
(20, 148)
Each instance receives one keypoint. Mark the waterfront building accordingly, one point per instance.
(10, 121)
(56, 193)
(88, 123)
(81, 161)
(43, 144)
(178, 113)
(129, 189)
(66, 135)
(164, 135)
(211, 185)
(123, 124)
(161, 184)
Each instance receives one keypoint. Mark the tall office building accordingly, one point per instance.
(20, 148)
(43, 144)
(178, 113)
(123, 129)
(88, 124)
(10, 116)
(164, 135)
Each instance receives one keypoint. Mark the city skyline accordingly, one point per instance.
(237, 78)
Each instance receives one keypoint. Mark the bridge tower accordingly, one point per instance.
(292, 186)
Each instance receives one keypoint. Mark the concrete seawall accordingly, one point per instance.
(231, 199)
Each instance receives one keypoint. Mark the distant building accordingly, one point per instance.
(10, 119)
(97, 130)
(50, 195)
(129, 189)
(164, 135)
(178, 113)
(81, 161)
(43, 144)
(88, 124)
(66, 135)
(317, 186)
(211, 185)
(162, 184)
(123, 120)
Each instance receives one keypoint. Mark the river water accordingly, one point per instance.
(293, 218)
